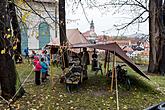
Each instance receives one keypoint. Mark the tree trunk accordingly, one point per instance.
(15, 25)
(157, 58)
(62, 25)
(8, 75)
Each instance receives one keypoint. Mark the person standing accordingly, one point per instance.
(44, 69)
(26, 51)
(85, 62)
(94, 61)
(37, 69)
(46, 58)
(33, 54)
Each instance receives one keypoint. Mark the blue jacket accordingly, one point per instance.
(44, 67)
(26, 51)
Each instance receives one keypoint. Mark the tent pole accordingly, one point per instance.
(80, 55)
(113, 71)
(51, 62)
(108, 60)
(63, 57)
(117, 95)
(105, 62)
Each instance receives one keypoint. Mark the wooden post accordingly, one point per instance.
(108, 61)
(105, 63)
(117, 96)
(113, 71)
(51, 62)
(80, 57)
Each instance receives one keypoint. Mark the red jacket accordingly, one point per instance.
(37, 65)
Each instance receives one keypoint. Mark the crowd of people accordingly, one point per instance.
(41, 63)
(41, 66)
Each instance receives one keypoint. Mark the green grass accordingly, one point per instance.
(94, 93)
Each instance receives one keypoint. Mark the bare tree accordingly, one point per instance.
(15, 25)
(62, 25)
(8, 76)
(156, 32)
(140, 8)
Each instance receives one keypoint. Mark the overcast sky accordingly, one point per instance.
(104, 21)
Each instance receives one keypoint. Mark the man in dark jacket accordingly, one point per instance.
(85, 62)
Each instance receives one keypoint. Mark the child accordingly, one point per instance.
(44, 69)
(37, 69)
(46, 58)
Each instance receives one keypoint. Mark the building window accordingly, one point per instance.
(24, 37)
(44, 34)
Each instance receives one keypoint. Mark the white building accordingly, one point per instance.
(38, 29)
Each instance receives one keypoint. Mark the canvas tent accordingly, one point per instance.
(74, 36)
(113, 48)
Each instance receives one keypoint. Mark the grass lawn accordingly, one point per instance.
(94, 93)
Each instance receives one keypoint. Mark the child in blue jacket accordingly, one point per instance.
(44, 69)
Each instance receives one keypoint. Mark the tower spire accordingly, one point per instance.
(92, 27)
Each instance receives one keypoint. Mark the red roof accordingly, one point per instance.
(103, 38)
(127, 49)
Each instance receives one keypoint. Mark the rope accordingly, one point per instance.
(21, 86)
(62, 52)
(5, 100)
(25, 69)
(8, 103)
(11, 100)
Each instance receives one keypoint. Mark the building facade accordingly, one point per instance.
(38, 23)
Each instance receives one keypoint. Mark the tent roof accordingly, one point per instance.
(54, 42)
(113, 48)
(74, 36)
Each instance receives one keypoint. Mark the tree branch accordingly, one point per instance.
(131, 21)
(141, 5)
(34, 10)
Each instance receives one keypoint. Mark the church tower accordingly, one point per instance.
(92, 28)
(92, 34)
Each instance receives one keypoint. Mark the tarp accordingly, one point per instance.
(113, 48)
